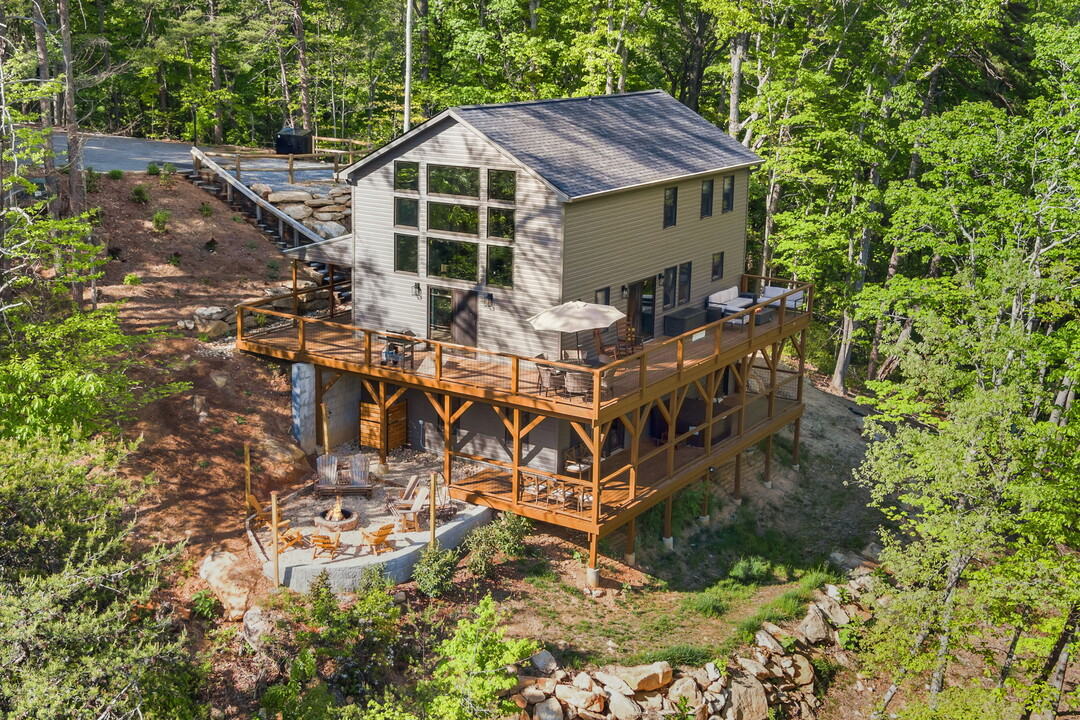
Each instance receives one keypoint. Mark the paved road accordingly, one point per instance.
(104, 153)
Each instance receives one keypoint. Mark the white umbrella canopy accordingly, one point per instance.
(576, 315)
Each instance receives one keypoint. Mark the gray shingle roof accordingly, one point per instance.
(590, 145)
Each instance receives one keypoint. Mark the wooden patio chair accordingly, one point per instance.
(379, 540)
(533, 487)
(575, 355)
(410, 519)
(604, 349)
(579, 383)
(325, 545)
(289, 538)
(262, 518)
(406, 496)
(628, 340)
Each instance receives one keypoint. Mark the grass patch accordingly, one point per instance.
(696, 655)
(718, 599)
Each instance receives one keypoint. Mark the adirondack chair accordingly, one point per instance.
(405, 497)
(327, 469)
(602, 348)
(325, 545)
(410, 519)
(289, 538)
(378, 540)
(262, 518)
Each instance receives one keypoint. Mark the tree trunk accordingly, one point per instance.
(738, 52)
(425, 35)
(879, 325)
(772, 204)
(45, 103)
(215, 77)
(76, 180)
(941, 662)
(1010, 656)
(302, 63)
(849, 326)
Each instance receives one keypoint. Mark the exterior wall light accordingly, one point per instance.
(625, 292)
(489, 300)
(416, 291)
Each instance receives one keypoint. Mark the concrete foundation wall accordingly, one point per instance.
(342, 402)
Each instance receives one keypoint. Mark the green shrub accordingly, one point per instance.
(751, 569)
(676, 655)
(434, 571)
(153, 169)
(169, 169)
(93, 179)
(273, 269)
(115, 174)
(505, 535)
(132, 279)
(205, 210)
(174, 259)
(161, 221)
(205, 605)
(140, 195)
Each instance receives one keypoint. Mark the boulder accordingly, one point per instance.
(297, 211)
(550, 709)
(222, 572)
(533, 694)
(685, 687)
(583, 681)
(213, 312)
(329, 229)
(282, 451)
(257, 626)
(753, 667)
(289, 196)
(613, 684)
(802, 671)
(748, 700)
(623, 708)
(815, 626)
(340, 192)
(581, 699)
(768, 642)
(261, 189)
(645, 677)
(326, 216)
(220, 378)
(318, 202)
(545, 662)
(199, 406)
(212, 328)
(712, 671)
(832, 610)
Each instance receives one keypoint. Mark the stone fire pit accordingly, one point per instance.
(337, 518)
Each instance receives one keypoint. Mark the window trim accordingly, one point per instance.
(416, 248)
(418, 175)
(429, 227)
(487, 267)
(398, 198)
(727, 203)
(671, 210)
(427, 177)
(513, 223)
(487, 193)
(680, 289)
(427, 264)
(707, 208)
(713, 271)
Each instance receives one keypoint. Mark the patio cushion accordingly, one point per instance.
(793, 301)
(726, 296)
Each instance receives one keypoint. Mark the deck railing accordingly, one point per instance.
(489, 371)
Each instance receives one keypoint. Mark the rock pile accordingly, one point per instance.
(328, 215)
(776, 674)
(216, 321)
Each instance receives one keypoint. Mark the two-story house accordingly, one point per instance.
(472, 223)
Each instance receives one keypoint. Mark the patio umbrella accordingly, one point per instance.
(575, 316)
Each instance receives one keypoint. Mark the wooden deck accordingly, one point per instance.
(567, 501)
(514, 380)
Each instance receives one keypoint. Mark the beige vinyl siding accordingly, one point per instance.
(619, 239)
(384, 298)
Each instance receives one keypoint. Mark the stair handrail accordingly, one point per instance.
(201, 158)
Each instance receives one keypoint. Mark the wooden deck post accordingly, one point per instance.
(597, 470)
(318, 404)
(433, 504)
(592, 574)
(275, 540)
(237, 170)
(295, 286)
(448, 438)
(629, 556)
(669, 539)
(515, 476)
(795, 443)
(737, 492)
(384, 421)
(333, 269)
(768, 460)
(325, 428)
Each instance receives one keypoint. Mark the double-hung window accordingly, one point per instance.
(671, 204)
(729, 193)
(706, 198)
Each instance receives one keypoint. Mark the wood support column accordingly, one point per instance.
(448, 438)
(629, 556)
(768, 458)
(295, 287)
(669, 540)
(515, 477)
(592, 573)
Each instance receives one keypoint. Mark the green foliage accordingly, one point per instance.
(694, 655)
(505, 535)
(93, 180)
(273, 269)
(206, 210)
(167, 168)
(205, 605)
(73, 376)
(132, 279)
(81, 637)
(471, 672)
(153, 169)
(751, 569)
(115, 174)
(139, 194)
(174, 259)
(714, 601)
(161, 221)
(434, 571)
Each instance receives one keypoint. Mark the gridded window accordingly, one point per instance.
(671, 202)
(453, 218)
(452, 180)
(502, 185)
(729, 193)
(717, 265)
(452, 259)
(684, 283)
(706, 198)
(406, 212)
(406, 253)
(500, 223)
(500, 266)
(406, 175)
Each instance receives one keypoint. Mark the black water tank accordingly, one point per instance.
(293, 141)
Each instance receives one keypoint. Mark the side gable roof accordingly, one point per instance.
(593, 145)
